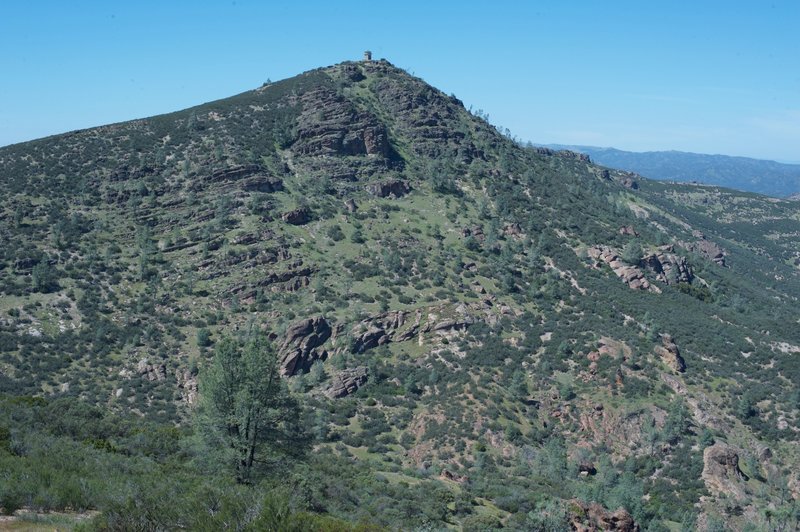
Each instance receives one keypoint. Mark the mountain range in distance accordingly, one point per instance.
(767, 177)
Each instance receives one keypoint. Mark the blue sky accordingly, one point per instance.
(709, 76)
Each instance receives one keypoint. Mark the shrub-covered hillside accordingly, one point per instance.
(471, 333)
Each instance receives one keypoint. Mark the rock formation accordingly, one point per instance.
(668, 267)
(669, 354)
(631, 275)
(721, 472)
(707, 248)
(331, 125)
(394, 188)
(593, 517)
(347, 382)
(297, 216)
(151, 372)
(302, 345)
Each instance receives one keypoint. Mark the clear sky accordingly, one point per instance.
(703, 76)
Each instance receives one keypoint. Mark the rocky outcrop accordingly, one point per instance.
(394, 188)
(331, 125)
(297, 216)
(513, 230)
(350, 205)
(250, 177)
(401, 326)
(707, 248)
(262, 183)
(593, 517)
(669, 354)
(289, 280)
(187, 385)
(629, 180)
(721, 472)
(435, 130)
(303, 345)
(151, 372)
(346, 382)
(476, 231)
(383, 328)
(628, 230)
(668, 267)
(631, 275)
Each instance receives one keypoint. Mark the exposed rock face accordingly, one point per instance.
(350, 205)
(669, 354)
(390, 188)
(303, 345)
(721, 472)
(628, 230)
(593, 517)
(331, 125)
(347, 382)
(631, 275)
(297, 216)
(669, 267)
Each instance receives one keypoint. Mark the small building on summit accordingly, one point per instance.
(367, 56)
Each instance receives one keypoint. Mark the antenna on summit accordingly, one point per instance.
(367, 56)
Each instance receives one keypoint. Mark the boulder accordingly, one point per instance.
(347, 382)
(586, 468)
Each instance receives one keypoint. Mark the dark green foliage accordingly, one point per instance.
(247, 416)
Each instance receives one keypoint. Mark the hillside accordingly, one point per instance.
(482, 335)
(741, 173)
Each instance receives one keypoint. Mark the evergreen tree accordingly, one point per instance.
(246, 417)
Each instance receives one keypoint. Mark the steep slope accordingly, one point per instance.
(740, 173)
(512, 328)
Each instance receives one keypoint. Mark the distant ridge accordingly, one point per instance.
(742, 173)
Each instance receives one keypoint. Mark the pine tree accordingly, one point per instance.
(247, 417)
